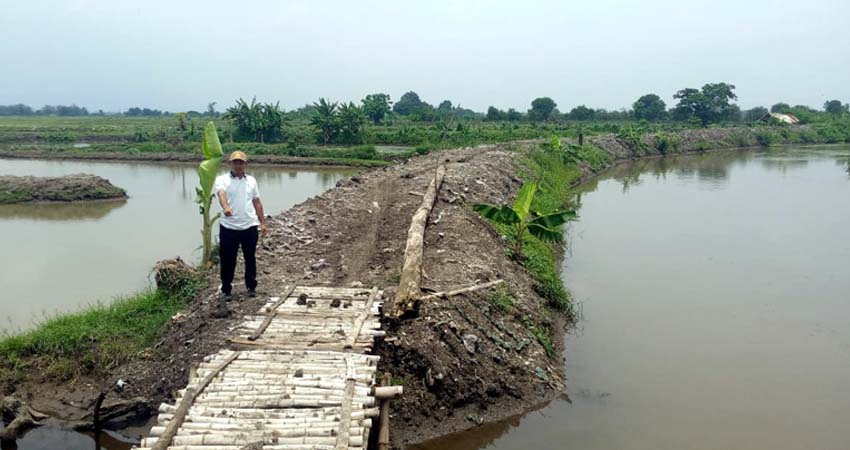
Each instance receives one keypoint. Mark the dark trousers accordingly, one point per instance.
(229, 242)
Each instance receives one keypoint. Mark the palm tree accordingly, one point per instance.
(325, 120)
(351, 120)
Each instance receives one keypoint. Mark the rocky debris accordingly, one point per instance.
(302, 300)
(469, 341)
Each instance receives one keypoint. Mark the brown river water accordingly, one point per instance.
(715, 292)
(716, 301)
(65, 256)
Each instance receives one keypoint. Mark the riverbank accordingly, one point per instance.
(69, 188)
(472, 359)
(293, 161)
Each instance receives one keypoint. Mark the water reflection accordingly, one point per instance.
(783, 165)
(55, 438)
(61, 211)
(711, 167)
(481, 436)
(118, 241)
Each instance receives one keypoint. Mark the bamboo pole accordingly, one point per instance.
(358, 326)
(345, 439)
(465, 290)
(411, 272)
(186, 403)
(384, 392)
(287, 290)
(384, 426)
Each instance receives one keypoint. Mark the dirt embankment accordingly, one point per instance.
(69, 188)
(689, 141)
(463, 361)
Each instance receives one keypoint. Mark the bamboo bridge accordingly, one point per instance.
(297, 376)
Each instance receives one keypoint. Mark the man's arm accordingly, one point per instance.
(258, 206)
(222, 200)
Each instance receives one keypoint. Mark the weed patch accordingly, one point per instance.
(94, 340)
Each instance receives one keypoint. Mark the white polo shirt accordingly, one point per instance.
(240, 193)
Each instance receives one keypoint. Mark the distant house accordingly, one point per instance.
(790, 119)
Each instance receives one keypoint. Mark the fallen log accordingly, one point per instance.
(411, 273)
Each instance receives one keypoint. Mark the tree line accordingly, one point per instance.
(710, 104)
(21, 109)
(344, 123)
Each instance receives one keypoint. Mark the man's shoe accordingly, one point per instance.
(252, 293)
(226, 296)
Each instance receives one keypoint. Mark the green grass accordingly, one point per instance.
(14, 195)
(597, 158)
(91, 341)
(502, 298)
(542, 259)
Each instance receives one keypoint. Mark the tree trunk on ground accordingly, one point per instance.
(409, 289)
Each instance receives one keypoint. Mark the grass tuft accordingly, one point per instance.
(502, 298)
(94, 340)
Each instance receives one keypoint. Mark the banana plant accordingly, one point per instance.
(207, 171)
(545, 227)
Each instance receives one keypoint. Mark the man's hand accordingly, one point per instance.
(228, 212)
(263, 229)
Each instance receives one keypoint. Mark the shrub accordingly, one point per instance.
(766, 138)
(424, 148)
(631, 136)
(667, 142)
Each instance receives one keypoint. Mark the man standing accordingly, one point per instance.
(242, 212)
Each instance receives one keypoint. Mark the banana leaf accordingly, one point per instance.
(545, 234)
(522, 204)
(555, 219)
(501, 214)
(207, 171)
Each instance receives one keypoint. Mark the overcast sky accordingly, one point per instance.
(179, 55)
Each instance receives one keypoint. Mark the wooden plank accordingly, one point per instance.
(287, 290)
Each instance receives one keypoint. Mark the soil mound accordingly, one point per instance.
(69, 188)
